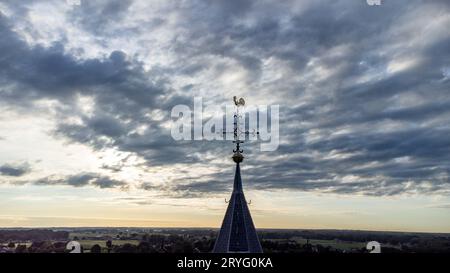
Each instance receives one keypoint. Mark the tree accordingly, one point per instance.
(96, 249)
(126, 248)
(144, 247)
(21, 249)
(109, 245)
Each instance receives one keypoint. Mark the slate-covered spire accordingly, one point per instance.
(237, 233)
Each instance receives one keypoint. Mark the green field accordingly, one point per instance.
(87, 244)
(338, 244)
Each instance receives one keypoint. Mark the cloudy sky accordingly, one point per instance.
(86, 93)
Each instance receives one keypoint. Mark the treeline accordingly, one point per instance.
(22, 235)
(394, 238)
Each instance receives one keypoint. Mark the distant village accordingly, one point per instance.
(174, 240)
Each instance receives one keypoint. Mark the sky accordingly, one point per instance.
(86, 92)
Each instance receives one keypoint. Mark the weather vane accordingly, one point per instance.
(237, 153)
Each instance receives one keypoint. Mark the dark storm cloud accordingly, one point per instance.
(106, 182)
(290, 37)
(14, 170)
(36, 72)
(193, 187)
(82, 180)
(385, 135)
(51, 73)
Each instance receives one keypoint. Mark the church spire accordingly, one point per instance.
(238, 233)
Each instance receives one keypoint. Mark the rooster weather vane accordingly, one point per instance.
(237, 153)
(240, 102)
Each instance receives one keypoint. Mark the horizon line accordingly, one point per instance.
(217, 228)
